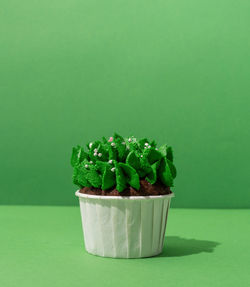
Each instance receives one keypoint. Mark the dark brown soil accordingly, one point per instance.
(145, 189)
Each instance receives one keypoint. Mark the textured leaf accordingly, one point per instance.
(75, 176)
(78, 155)
(153, 156)
(93, 177)
(142, 143)
(163, 150)
(104, 140)
(120, 147)
(108, 178)
(142, 173)
(74, 157)
(145, 166)
(113, 154)
(94, 145)
(167, 151)
(153, 144)
(101, 166)
(120, 178)
(102, 150)
(152, 176)
(118, 138)
(133, 160)
(172, 168)
(133, 146)
(170, 153)
(165, 173)
(131, 175)
(79, 176)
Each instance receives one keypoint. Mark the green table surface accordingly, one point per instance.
(43, 246)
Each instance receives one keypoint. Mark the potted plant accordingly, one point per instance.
(124, 193)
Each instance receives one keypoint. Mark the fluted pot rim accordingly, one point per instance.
(85, 195)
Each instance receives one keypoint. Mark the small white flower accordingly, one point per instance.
(145, 147)
(123, 143)
(99, 154)
(141, 155)
(110, 161)
(149, 146)
(95, 154)
(95, 150)
(113, 144)
(90, 145)
(146, 144)
(91, 161)
(86, 166)
(130, 140)
(113, 169)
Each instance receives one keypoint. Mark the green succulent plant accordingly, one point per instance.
(121, 162)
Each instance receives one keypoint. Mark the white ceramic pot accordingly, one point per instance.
(124, 227)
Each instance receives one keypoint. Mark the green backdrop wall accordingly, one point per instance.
(175, 71)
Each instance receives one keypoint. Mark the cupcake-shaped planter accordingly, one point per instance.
(124, 193)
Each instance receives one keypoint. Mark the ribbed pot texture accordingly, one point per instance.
(124, 227)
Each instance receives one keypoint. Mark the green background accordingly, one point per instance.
(175, 71)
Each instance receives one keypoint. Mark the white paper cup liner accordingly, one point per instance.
(124, 227)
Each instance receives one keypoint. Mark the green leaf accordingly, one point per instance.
(170, 153)
(108, 178)
(74, 157)
(112, 153)
(120, 147)
(152, 176)
(167, 152)
(118, 137)
(101, 166)
(78, 155)
(93, 176)
(153, 144)
(104, 140)
(145, 165)
(120, 178)
(75, 176)
(153, 156)
(102, 150)
(133, 145)
(133, 160)
(79, 176)
(94, 145)
(165, 174)
(142, 143)
(142, 173)
(163, 150)
(131, 175)
(172, 168)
